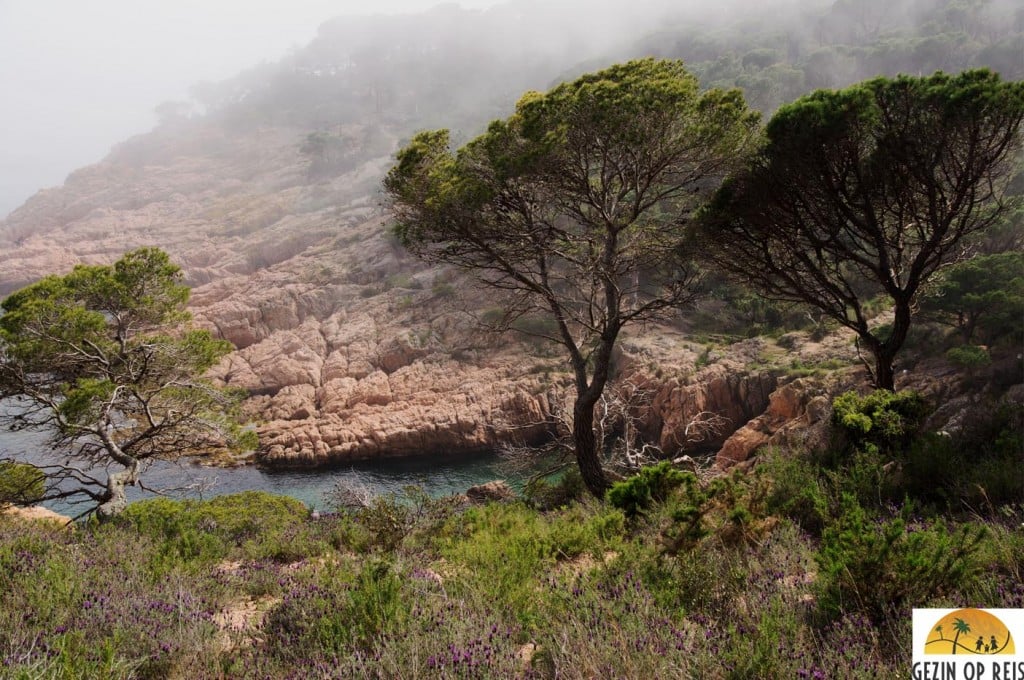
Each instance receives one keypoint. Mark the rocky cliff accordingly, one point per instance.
(349, 348)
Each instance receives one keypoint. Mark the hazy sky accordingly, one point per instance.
(78, 76)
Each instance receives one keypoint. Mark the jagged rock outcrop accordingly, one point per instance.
(351, 349)
(725, 391)
(430, 406)
(801, 407)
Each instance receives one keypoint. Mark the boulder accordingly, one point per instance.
(490, 492)
(35, 513)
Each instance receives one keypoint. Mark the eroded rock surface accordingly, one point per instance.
(350, 348)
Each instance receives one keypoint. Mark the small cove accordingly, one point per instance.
(437, 475)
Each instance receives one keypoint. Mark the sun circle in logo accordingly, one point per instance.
(969, 631)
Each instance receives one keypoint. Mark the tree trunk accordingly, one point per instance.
(885, 351)
(585, 444)
(116, 500)
(967, 329)
(885, 376)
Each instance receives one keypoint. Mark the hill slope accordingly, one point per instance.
(270, 203)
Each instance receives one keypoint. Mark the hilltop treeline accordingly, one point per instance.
(461, 68)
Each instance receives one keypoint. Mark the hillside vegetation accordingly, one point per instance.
(805, 567)
(797, 551)
(265, 190)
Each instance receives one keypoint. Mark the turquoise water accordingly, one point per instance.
(437, 475)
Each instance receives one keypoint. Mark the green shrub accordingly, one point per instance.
(442, 289)
(536, 324)
(651, 485)
(978, 466)
(797, 491)
(882, 421)
(384, 522)
(880, 566)
(331, 611)
(516, 546)
(731, 508)
(91, 606)
(609, 627)
(579, 530)
(493, 316)
(970, 357)
(881, 455)
(207, 530)
(868, 476)
(545, 494)
(981, 296)
(21, 484)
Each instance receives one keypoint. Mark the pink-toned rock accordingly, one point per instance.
(399, 352)
(490, 492)
(373, 390)
(292, 402)
(292, 357)
(426, 407)
(35, 513)
(724, 390)
(802, 406)
(341, 363)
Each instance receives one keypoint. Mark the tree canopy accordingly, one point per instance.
(102, 361)
(983, 295)
(574, 206)
(867, 192)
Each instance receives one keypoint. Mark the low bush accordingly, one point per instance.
(706, 580)
(969, 357)
(651, 485)
(882, 456)
(206, 531)
(547, 494)
(20, 484)
(797, 490)
(877, 566)
(882, 421)
(333, 611)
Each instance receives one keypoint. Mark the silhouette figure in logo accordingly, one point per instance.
(994, 645)
(981, 642)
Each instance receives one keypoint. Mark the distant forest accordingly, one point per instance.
(460, 68)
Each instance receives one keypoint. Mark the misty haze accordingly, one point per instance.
(509, 339)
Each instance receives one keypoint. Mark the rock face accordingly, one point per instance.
(349, 348)
(426, 407)
(725, 391)
(794, 408)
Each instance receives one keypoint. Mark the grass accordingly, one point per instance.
(769, 573)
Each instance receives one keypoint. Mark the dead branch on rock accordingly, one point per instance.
(619, 419)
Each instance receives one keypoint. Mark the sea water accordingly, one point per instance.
(437, 475)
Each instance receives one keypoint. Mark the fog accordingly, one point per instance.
(78, 77)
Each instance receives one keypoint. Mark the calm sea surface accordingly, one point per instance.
(437, 475)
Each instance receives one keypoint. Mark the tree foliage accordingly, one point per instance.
(20, 484)
(574, 206)
(867, 192)
(102, 361)
(984, 294)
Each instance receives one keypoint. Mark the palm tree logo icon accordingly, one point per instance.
(992, 635)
